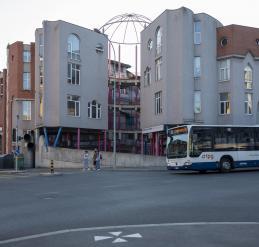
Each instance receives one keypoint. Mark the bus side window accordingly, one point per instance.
(256, 138)
(224, 139)
(245, 139)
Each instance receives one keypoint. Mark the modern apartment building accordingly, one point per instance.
(127, 108)
(20, 89)
(179, 71)
(71, 75)
(195, 70)
(3, 75)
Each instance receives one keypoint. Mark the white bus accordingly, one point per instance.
(215, 147)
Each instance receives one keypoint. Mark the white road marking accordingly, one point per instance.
(98, 238)
(47, 234)
(115, 233)
(119, 240)
(136, 235)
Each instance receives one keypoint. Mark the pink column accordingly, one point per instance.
(104, 141)
(142, 143)
(78, 138)
(99, 139)
(157, 143)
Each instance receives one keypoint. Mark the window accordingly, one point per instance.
(248, 74)
(41, 106)
(26, 81)
(158, 102)
(41, 45)
(201, 140)
(158, 69)
(26, 110)
(73, 105)
(224, 70)
(248, 103)
(223, 41)
(224, 103)
(1, 88)
(197, 67)
(158, 41)
(225, 139)
(73, 47)
(197, 32)
(197, 102)
(94, 110)
(14, 135)
(150, 44)
(99, 48)
(245, 138)
(73, 73)
(41, 75)
(147, 76)
(26, 56)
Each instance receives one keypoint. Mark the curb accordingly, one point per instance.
(48, 174)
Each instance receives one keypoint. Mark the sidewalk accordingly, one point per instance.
(46, 171)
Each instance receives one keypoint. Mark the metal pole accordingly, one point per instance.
(114, 121)
(114, 100)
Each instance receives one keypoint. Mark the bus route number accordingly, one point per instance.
(207, 156)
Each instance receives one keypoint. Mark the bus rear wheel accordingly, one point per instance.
(225, 165)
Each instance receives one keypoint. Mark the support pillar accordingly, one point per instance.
(78, 138)
(57, 137)
(157, 143)
(99, 139)
(104, 140)
(141, 144)
(46, 138)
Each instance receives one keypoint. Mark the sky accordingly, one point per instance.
(20, 18)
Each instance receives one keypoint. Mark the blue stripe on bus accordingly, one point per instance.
(214, 165)
(196, 166)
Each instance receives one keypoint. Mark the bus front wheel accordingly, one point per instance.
(225, 165)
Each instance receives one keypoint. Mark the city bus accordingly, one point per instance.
(219, 148)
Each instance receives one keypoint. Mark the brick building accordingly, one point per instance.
(20, 90)
(3, 75)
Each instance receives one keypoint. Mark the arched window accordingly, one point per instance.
(248, 77)
(158, 40)
(73, 47)
(147, 76)
(94, 110)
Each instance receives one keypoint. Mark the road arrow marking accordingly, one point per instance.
(115, 233)
(119, 240)
(136, 235)
(98, 238)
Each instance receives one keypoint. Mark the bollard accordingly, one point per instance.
(51, 166)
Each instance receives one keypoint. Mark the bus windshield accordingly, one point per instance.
(177, 144)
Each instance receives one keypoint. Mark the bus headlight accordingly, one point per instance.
(187, 163)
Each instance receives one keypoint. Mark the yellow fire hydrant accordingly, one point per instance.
(51, 166)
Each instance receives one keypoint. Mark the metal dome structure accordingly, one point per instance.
(125, 29)
(123, 33)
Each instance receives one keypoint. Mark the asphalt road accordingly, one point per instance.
(130, 208)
